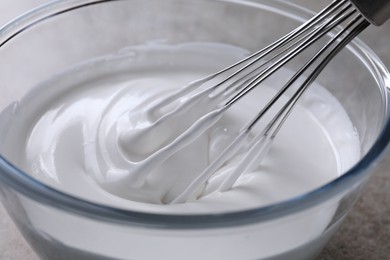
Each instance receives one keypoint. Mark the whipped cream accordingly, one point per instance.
(92, 132)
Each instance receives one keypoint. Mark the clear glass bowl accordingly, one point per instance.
(63, 33)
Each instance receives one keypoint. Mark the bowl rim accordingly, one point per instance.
(26, 185)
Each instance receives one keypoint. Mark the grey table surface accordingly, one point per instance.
(365, 234)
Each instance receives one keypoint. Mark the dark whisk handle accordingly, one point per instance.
(375, 11)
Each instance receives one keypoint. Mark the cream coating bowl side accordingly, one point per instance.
(134, 235)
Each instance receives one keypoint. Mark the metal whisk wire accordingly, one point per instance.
(287, 48)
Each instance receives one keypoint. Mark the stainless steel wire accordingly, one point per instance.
(340, 19)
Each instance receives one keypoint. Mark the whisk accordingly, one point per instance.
(342, 19)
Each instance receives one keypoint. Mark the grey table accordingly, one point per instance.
(365, 233)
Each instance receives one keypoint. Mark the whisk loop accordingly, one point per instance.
(263, 141)
(218, 92)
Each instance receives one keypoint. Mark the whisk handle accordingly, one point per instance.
(375, 11)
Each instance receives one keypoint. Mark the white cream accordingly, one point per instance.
(79, 132)
(75, 132)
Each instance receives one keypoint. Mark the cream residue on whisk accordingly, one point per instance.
(83, 134)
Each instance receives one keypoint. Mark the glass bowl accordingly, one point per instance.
(63, 33)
